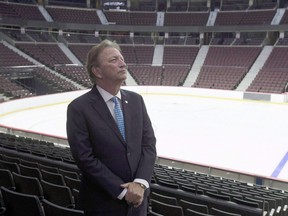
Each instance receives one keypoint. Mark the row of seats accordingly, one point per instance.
(21, 11)
(224, 66)
(48, 81)
(131, 18)
(90, 38)
(89, 16)
(37, 148)
(31, 184)
(167, 75)
(48, 54)
(55, 193)
(264, 17)
(187, 6)
(76, 73)
(20, 204)
(220, 77)
(214, 192)
(73, 38)
(173, 6)
(69, 3)
(12, 89)
(259, 200)
(227, 5)
(273, 77)
(163, 205)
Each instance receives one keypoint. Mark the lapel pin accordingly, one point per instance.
(126, 101)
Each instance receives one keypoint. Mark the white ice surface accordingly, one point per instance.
(245, 136)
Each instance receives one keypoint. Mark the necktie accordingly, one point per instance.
(119, 116)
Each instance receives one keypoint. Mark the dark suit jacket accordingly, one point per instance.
(105, 159)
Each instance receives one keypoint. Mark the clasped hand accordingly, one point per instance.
(135, 193)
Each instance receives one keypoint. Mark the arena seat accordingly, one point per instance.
(41, 36)
(12, 166)
(76, 73)
(21, 11)
(6, 179)
(225, 67)
(201, 208)
(11, 58)
(52, 209)
(249, 17)
(273, 76)
(166, 209)
(218, 212)
(232, 6)
(28, 185)
(284, 19)
(19, 204)
(144, 54)
(179, 55)
(72, 15)
(146, 75)
(190, 212)
(186, 19)
(53, 177)
(267, 199)
(58, 194)
(80, 51)
(48, 54)
(131, 18)
(30, 171)
(162, 198)
(16, 35)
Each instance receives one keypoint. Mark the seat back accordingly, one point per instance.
(190, 212)
(28, 185)
(164, 199)
(218, 196)
(6, 179)
(12, 166)
(10, 159)
(28, 163)
(52, 209)
(151, 213)
(72, 183)
(70, 174)
(30, 171)
(246, 202)
(75, 194)
(166, 209)
(48, 168)
(54, 178)
(2, 207)
(168, 184)
(19, 204)
(58, 194)
(218, 212)
(195, 206)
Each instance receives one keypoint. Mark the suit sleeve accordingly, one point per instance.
(148, 155)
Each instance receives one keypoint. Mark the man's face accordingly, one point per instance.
(112, 67)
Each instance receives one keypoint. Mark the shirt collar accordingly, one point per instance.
(106, 95)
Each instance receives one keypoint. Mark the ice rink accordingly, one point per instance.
(240, 135)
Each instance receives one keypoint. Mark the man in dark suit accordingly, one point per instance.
(116, 168)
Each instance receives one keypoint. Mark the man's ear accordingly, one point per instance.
(97, 72)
